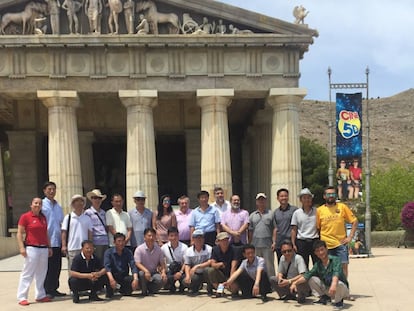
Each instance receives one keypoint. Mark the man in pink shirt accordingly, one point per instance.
(235, 222)
(183, 217)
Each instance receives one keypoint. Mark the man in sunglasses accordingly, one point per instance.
(291, 267)
(330, 221)
(98, 219)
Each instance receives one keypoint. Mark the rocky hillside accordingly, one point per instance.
(392, 127)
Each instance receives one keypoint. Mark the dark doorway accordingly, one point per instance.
(171, 166)
(110, 167)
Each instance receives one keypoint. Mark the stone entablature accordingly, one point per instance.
(150, 57)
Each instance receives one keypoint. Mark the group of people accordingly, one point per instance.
(218, 244)
(349, 180)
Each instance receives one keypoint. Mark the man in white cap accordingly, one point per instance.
(141, 219)
(304, 231)
(262, 233)
(118, 220)
(76, 228)
(196, 262)
(98, 219)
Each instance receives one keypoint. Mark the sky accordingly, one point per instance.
(353, 35)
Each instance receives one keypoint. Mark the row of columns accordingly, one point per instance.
(65, 161)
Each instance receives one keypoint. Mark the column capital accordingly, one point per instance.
(215, 92)
(130, 98)
(54, 98)
(286, 95)
(220, 99)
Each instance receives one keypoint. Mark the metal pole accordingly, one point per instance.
(330, 125)
(367, 178)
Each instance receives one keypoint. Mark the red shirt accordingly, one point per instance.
(36, 229)
(356, 172)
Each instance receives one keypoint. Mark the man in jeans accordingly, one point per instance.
(118, 261)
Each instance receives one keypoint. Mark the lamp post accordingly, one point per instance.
(367, 177)
(330, 125)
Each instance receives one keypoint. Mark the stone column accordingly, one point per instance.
(141, 165)
(215, 146)
(64, 158)
(24, 174)
(86, 159)
(263, 147)
(286, 167)
(3, 203)
(193, 163)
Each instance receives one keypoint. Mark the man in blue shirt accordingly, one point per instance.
(205, 218)
(251, 276)
(54, 216)
(118, 261)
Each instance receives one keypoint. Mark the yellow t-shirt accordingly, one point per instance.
(330, 221)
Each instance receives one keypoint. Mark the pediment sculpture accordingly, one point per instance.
(143, 17)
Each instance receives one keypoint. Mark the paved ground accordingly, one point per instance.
(382, 282)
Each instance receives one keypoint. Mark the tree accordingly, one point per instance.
(390, 190)
(314, 161)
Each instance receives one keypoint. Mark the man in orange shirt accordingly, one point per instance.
(330, 221)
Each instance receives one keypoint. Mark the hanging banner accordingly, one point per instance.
(348, 126)
(349, 144)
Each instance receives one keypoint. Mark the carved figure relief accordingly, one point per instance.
(143, 26)
(24, 18)
(115, 7)
(93, 9)
(54, 10)
(236, 31)
(129, 6)
(72, 7)
(154, 17)
(299, 12)
(32, 18)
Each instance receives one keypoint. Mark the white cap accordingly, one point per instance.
(139, 194)
(305, 191)
(260, 195)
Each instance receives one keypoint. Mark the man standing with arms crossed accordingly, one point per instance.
(54, 216)
(262, 233)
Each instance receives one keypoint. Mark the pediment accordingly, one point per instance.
(241, 18)
(188, 12)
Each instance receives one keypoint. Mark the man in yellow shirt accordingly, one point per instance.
(330, 221)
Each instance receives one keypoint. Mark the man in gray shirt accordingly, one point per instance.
(262, 232)
(291, 267)
(283, 219)
(304, 231)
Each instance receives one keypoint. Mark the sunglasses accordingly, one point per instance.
(331, 194)
(96, 198)
(287, 251)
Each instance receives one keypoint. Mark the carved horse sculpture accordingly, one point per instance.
(155, 18)
(115, 7)
(23, 17)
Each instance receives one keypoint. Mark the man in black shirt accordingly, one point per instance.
(87, 273)
(224, 261)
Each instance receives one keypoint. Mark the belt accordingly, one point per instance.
(309, 240)
(38, 246)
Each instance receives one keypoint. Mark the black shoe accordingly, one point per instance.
(323, 300)
(209, 290)
(301, 300)
(75, 297)
(59, 294)
(94, 297)
(264, 298)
